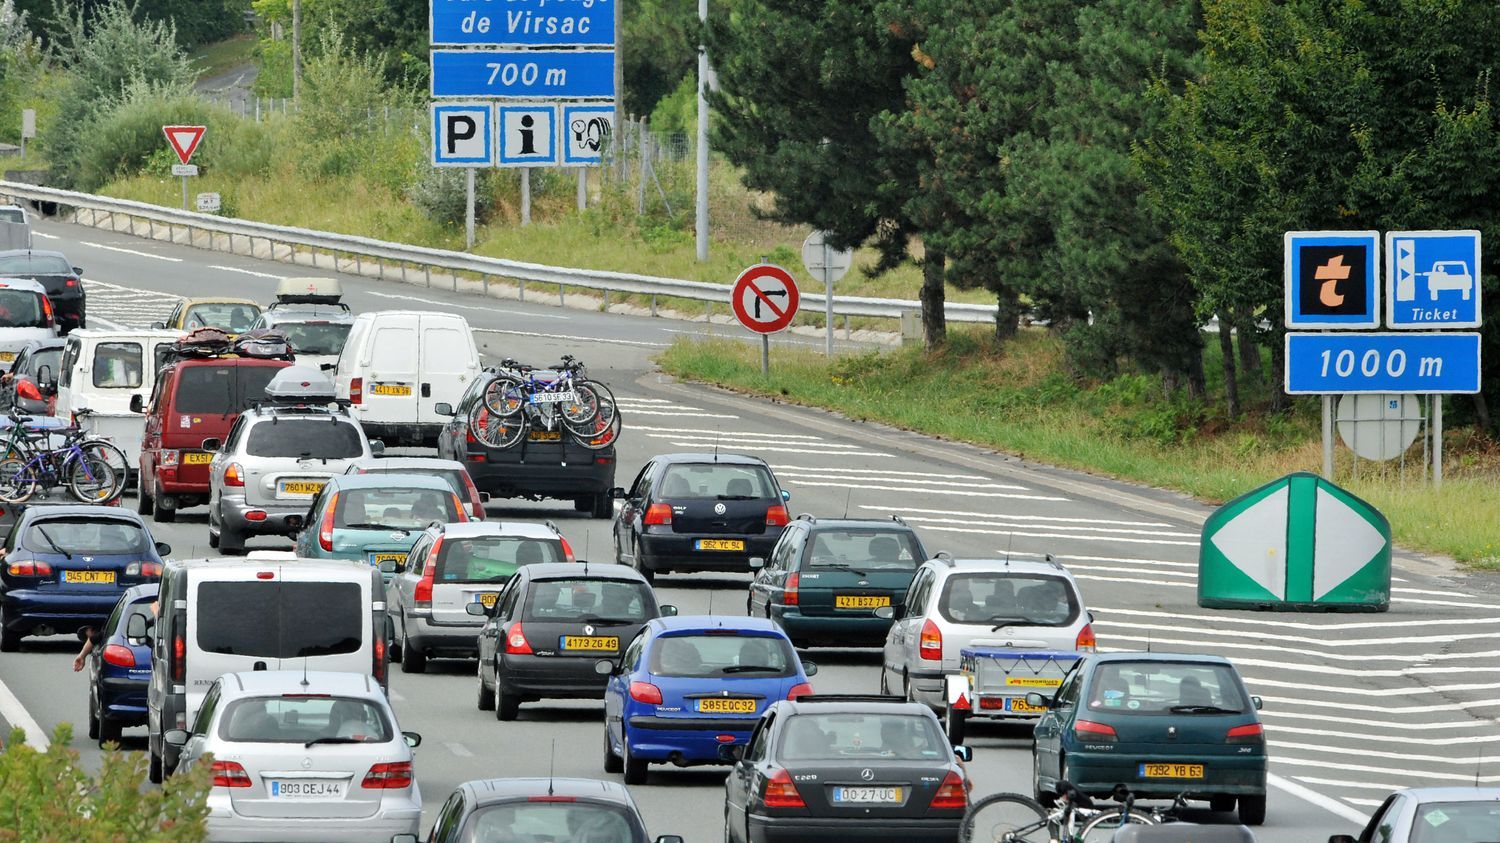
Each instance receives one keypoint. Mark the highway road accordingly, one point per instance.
(1356, 705)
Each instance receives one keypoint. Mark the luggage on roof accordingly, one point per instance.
(309, 291)
(203, 342)
(263, 343)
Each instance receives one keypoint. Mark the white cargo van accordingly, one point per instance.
(101, 370)
(398, 365)
(218, 616)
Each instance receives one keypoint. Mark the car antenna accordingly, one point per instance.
(551, 766)
(1010, 539)
(718, 434)
(1478, 765)
(305, 683)
(585, 554)
(847, 498)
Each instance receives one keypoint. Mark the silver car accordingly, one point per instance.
(1433, 815)
(451, 566)
(297, 756)
(953, 604)
(316, 332)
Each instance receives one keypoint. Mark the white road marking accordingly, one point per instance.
(776, 449)
(1463, 761)
(1323, 654)
(912, 483)
(1036, 535)
(246, 271)
(459, 749)
(1085, 560)
(751, 443)
(1005, 521)
(1313, 797)
(444, 304)
(1465, 778)
(1262, 620)
(19, 718)
(45, 236)
(1056, 518)
(676, 430)
(679, 414)
(1295, 639)
(1346, 783)
(880, 472)
(1425, 740)
(114, 326)
(1420, 669)
(130, 251)
(1368, 803)
(1404, 725)
(571, 338)
(866, 485)
(1342, 705)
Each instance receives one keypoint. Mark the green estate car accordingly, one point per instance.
(1161, 724)
(375, 517)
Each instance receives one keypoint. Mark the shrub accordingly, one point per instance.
(440, 193)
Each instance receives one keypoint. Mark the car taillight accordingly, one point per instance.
(143, 569)
(790, 595)
(658, 515)
(1249, 733)
(26, 389)
(230, 774)
(1085, 643)
(953, 794)
(29, 568)
(645, 692)
(377, 659)
(516, 643)
(777, 516)
(458, 509)
(179, 655)
(475, 503)
(325, 529)
(119, 655)
(781, 792)
(801, 689)
(356, 390)
(1090, 731)
(930, 645)
(167, 458)
(71, 282)
(422, 594)
(47, 310)
(233, 475)
(567, 550)
(393, 776)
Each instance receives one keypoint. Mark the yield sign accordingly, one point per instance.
(184, 140)
(765, 298)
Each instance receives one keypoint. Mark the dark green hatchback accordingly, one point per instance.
(1160, 724)
(826, 577)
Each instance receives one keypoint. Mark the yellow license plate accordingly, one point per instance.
(591, 642)
(197, 458)
(723, 706)
(7, 356)
(1033, 681)
(720, 544)
(390, 389)
(487, 599)
(1171, 771)
(301, 487)
(851, 601)
(1019, 706)
(89, 577)
(378, 558)
(545, 436)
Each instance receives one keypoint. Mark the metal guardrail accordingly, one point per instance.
(484, 267)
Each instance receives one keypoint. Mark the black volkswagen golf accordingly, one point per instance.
(699, 512)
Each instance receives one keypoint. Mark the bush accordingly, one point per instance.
(440, 193)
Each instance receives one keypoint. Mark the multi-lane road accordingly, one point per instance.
(1356, 705)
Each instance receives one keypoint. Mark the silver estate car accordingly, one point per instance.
(314, 756)
(1433, 815)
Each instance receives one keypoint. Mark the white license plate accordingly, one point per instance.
(309, 789)
(553, 397)
(867, 795)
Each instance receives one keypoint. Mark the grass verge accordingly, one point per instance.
(1022, 401)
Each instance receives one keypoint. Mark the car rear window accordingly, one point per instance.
(299, 719)
(454, 477)
(527, 821)
(21, 309)
(716, 481)
(118, 365)
(222, 390)
(493, 558)
(280, 620)
(595, 601)
(1456, 822)
(1165, 688)
(328, 438)
(896, 737)
(50, 358)
(1029, 600)
(394, 509)
(864, 550)
(33, 264)
(234, 318)
(12, 215)
(315, 337)
(85, 535)
(718, 654)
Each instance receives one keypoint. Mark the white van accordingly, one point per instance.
(398, 365)
(101, 370)
(219, 616)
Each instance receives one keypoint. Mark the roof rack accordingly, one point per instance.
(808, 517)
(946, 557)
(837, 698)
(899, 520)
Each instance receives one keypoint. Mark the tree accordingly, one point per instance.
(195, 21)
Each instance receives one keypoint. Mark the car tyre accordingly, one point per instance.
(885, 684)
(1221, 804)
(1047, 798)
(144, 503)
(1252, 809)
(109, 731)
(213, 540)
(955, 722)
(613, 764)
(648, 574)
(507, 706)
(486, 695)
(165, 513)
(412, 661)
(93, 718)
(10, 640)
(635, 769)
(603, 505)
(230, 542)
(154, 770)
(583, 503)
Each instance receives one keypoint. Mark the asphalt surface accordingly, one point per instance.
(1355, 705)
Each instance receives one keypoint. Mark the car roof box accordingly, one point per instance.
(309, 291)
(300, 385)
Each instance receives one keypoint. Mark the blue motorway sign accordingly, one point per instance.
(463, 134)
(1330, 279)
(524, 74)
(1432, 279)
(523, 23)
(1334, 363)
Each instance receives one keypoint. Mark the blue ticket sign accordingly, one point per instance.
(1432, 279)
(523, 23)
(1335, 363)
(524, 74)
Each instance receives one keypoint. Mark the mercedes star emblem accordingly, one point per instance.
(720, 509)
(867, 774)
(307, 763)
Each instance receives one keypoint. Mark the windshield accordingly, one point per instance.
(269, 620)
(899, 737)
(299, 719)
(314, 438)
(21, 309)
(867, 550)
(12, 215)
(118, 365)
(716, 481)
(315, 337)
(1165, 688)
(580, 600)
(33, 264)
(546, 822)
(1027, 600)
(719, 654)
(86, 535)
(404, 509)
(234, 318)
(222, 390)
(493, 559)
(1457, 822)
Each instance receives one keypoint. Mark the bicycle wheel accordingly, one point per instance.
(505, 396)
(91, 480)
(110, 453)
(584, 406)
(1101, 827)
(602, 432)
(1005, 818)
(497, 432)
(17, 482)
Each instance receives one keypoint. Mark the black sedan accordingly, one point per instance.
(836, 767)
(62, 280)
(547, 809)
(31, 384)
(699, 512)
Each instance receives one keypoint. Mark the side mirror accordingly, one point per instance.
(1257, 702)
(668, 610)
(294, 525)
(1036, 700)
(886, 613)
(476, 609)
(484, 497)
(1342, 838)
(963, 753)
(212, 444)
(617, 493)
(413, 739)
(328, 367)
(443, 408)
(137, 404)
(388, 566)
(175, 737)
(377, 447)
(77, 270)
(137, 629)
(163, 549)
(730, 753)
(604, 667)
(785, 496)
(756, 563)
(44, 375)
(1092, 619)
(809, 669)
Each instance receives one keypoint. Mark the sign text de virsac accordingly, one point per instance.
(523, 22)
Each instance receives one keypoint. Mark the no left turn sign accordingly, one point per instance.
(765, 298)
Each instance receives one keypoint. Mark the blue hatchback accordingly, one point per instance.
(119, 671)
(688, 685)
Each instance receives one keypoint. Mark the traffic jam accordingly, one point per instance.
(368, 448)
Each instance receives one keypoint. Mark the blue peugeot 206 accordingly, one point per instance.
(686, 686)
(119, 671)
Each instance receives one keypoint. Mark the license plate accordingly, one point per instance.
(553, 397)
(487, 599)
(1033, 681)
(391, 389)
(1171, 771)
(7, 356)
(1016, 705)
(300, 487)
(719, 705)
(197, 458)
(306, 790)
(867, 795)
(591, 643)
(545, 436)
(853, 601)
(719, 544)
(377, 558)
(89, 577)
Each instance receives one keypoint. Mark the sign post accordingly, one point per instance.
(184, 141)
(765, 300)
(28, 128)
(831, 264)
